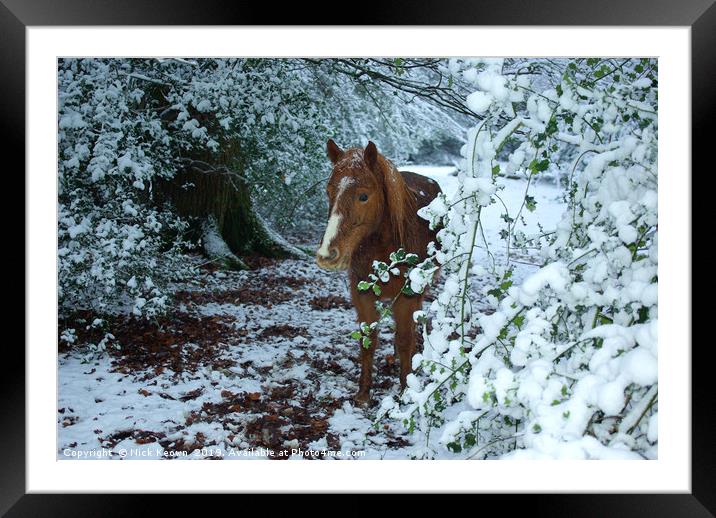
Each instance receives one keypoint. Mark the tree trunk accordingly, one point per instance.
(247, 233)
(211, 191)
(215, 248)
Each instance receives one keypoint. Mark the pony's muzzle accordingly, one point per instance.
(330, 261)
(332, 255)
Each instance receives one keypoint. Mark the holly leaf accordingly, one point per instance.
(530, 203)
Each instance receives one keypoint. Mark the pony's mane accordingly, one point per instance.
(401, 204)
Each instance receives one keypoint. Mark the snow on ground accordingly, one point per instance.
(252, 364)
(548, 212)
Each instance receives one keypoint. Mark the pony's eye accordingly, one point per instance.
(363, 197)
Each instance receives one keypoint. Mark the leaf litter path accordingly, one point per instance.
(252, 364)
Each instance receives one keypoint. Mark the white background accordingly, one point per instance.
(671, 472)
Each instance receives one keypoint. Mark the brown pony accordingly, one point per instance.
(372, 212)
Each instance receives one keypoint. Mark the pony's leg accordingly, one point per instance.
(405, 333)
(366, 313)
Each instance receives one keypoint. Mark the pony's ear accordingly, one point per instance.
(370, 155)
(334, 152)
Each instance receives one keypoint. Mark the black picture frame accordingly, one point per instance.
(700, 15)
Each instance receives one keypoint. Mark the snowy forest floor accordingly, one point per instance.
(250, 364)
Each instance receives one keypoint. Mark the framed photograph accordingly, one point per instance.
(452, 250)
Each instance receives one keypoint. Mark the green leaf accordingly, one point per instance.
(643, 313)
(495, 292)
(366, 342)
(470, 440)
(376, 290)
(454, 447)
(603, 70)
(551, 128)
(397, 256)
(603, 319)
(355, 335)
(363, 285)
(530, 203)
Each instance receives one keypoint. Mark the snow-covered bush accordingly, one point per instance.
(562, 362)
(114, 247)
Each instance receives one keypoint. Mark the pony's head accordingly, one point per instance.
(365, 192)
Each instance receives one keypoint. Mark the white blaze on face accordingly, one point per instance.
(331, 231)
(334, 220)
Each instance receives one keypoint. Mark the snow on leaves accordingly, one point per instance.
(564, 363)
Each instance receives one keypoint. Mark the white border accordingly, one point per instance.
(671, 472)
